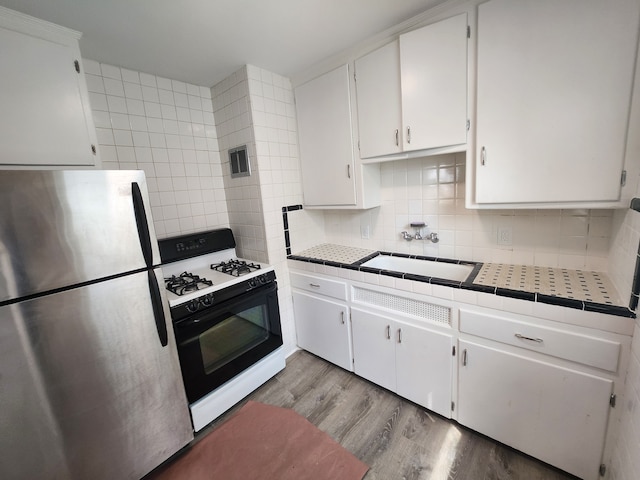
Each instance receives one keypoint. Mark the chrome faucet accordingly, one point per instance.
(407, 236)
(433, 237)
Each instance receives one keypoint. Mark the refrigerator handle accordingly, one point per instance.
(158, 309)
(142, 224)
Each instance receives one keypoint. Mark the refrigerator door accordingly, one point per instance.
(87, 390)
(62, 228)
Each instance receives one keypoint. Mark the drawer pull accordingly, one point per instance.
(531, 339)
(314, 285)
(388, 332)
(342, 318)
(399, 335)
(464, 357)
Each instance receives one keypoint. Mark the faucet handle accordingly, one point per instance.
(406, 236)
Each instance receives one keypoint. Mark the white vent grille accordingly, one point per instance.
(435, 313)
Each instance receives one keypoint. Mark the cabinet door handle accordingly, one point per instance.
(348, 171)
(388, 332)
(408, 134)
(314, 285)
(483, 156)
(397, 138)
(531, 339)
(464, 357)
(399, 335)
(342, 318)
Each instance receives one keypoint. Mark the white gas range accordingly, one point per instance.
(226, 320)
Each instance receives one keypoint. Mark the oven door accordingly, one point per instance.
(216, 344)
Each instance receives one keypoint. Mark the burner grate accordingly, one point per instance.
(235, 267)
(185, 283)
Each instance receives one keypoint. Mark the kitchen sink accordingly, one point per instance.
(428, 268)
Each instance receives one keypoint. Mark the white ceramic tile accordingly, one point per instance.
(91, 66)
(113, 87)
(94, 83)
(110, 71)
(133, 91)
(126, 154)
(130, 75)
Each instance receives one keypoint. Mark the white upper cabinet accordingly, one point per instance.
(330, 175)
(46, 119)
(412, 93)
(433, 65)
(554, 84)
(378, 100)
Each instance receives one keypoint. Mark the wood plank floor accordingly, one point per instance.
(396, 438)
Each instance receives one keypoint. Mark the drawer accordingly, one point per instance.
(323, 286)
(573, 346)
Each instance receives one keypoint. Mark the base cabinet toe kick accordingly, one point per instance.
(540, 384)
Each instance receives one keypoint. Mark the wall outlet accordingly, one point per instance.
(505, 235)
(364, 231)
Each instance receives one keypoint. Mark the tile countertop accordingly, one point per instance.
(583, 290)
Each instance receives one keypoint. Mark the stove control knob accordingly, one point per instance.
(207, 300)
(193, 306)
(253, 283)
(262, 279)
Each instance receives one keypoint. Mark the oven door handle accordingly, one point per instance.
(158, 308)
(142, 224)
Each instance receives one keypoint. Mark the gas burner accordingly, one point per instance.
(185, 283)
(235, 267)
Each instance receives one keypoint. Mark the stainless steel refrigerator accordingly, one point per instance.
(90, 384)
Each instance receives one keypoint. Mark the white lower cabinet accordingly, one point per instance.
(413, 361)
(322, 327)
(555, 414)
(540, 385)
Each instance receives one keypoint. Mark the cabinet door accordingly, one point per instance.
(45, 118)
(378, 101)
(374, 348)
(423, 367)
(552, 413)
(322, 328)
(323, 106)
(553, 99)
(433, 63)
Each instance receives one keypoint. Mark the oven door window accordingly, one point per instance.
(233, 337)
(218, 343)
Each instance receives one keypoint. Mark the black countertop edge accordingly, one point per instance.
(559, 301)
(392, 273)
(370, 270)
(417, 278)
(366, 259)
(609, 309)
(445, 282)
(635, 204)
(519, 294)
(474, 273)
(469, 285)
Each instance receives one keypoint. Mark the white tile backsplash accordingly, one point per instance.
(138, 129)
(431, 190)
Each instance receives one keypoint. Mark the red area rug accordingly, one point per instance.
(263, 442)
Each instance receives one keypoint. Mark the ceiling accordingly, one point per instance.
(203, 41)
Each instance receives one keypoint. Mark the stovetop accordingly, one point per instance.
(209, 258)
(200, 266)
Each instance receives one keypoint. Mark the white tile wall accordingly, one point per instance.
(431, 190)
(166, 128)
(234, 124)
(254, 107)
